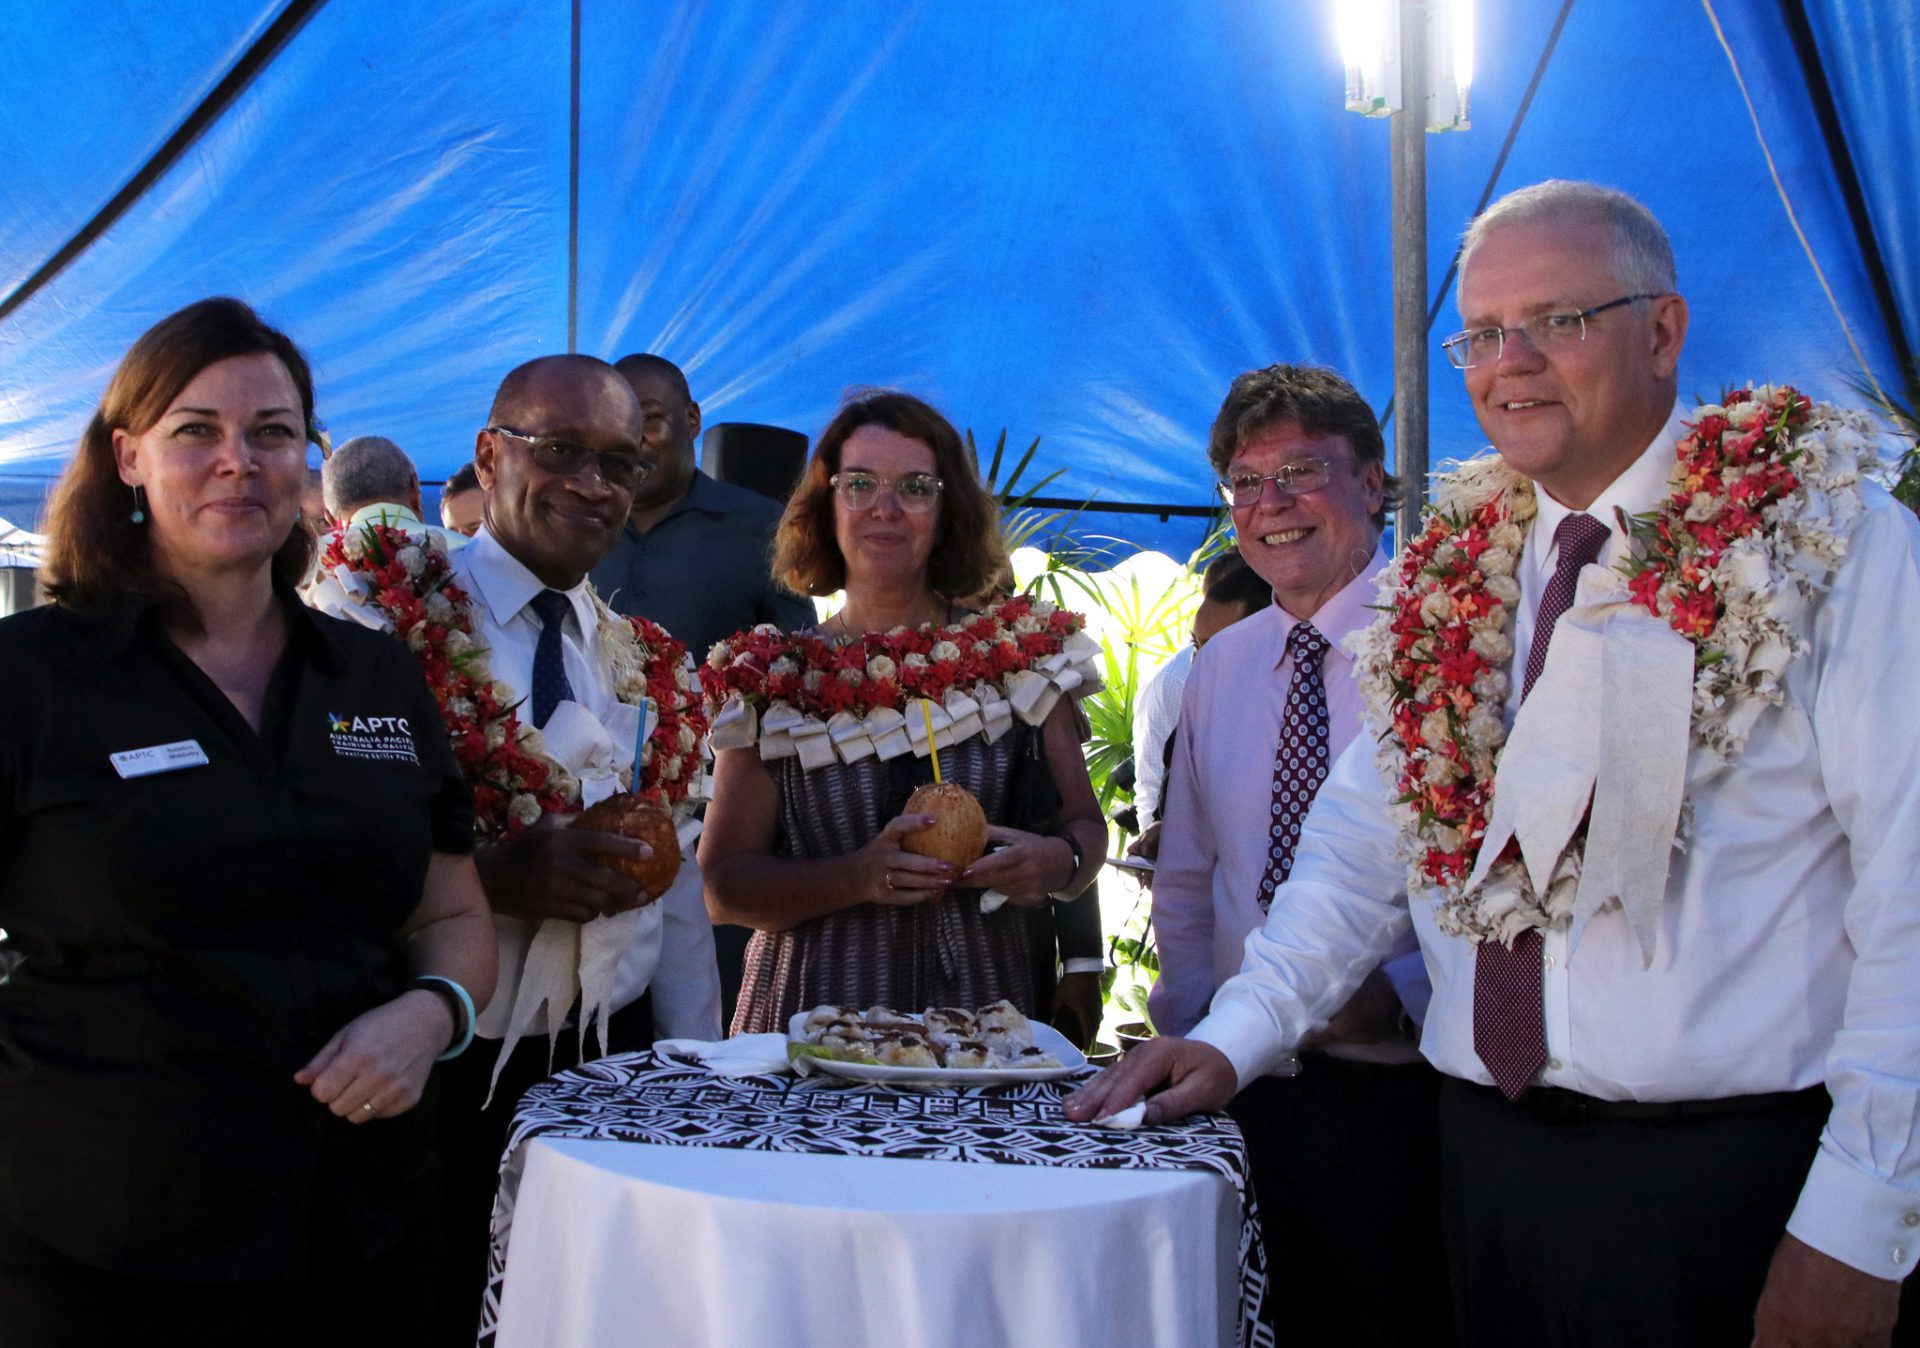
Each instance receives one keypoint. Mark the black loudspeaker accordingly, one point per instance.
(766, 459)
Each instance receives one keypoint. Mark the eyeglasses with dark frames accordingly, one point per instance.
(618, 467)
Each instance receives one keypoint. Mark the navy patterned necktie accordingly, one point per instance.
(1300, 763)
(550, 686)
(1509, 1010)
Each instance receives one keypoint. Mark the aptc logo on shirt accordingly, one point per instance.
(385, 738)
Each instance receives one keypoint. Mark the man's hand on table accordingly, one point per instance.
(553, 871)
(1812, 1300)
(1197, 1076)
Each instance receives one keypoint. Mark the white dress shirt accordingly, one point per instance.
(1789, 935)
(1213, 845)
(672, 953)
(1154, 717)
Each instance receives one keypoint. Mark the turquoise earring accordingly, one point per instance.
(139, 515)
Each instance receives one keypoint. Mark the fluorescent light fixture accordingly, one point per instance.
(1369, 35)
(1368, 32)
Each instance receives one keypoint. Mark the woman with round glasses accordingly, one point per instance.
(805, 847)
(235, 856)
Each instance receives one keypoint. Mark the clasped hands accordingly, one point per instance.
(1026, 867)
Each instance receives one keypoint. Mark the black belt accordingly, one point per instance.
(1313, 1060)
(1552, 1104)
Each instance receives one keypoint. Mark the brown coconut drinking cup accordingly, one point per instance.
(630, 817)
(958, 835)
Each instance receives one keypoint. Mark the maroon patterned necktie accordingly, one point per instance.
(1509, 1014)
(1301, 761)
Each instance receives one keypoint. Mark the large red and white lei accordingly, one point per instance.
(1763, 493)
(407, 580)
(802, 694)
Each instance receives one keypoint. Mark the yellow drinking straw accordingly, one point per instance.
(926, 711)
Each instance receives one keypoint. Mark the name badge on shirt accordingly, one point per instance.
(158, 758)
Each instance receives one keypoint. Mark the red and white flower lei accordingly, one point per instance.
(802, 693)
(408, 581)
(1763, 493)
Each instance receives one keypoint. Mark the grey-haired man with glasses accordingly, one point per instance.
(1695, 1129)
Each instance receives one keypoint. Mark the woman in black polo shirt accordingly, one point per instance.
(231, 833)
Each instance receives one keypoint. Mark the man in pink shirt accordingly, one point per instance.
(1342, 1138)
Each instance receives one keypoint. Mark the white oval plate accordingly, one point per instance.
(880, 1074)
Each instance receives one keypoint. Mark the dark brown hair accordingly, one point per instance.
(1316, 400)
(95, 552)
(968, 550)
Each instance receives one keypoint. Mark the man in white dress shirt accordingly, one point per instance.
(1674, 1172)
(559, 460)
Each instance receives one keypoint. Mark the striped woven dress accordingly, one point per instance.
(943, 953)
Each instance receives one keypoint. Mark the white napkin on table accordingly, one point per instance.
(744, 1055)
(1129, 1118)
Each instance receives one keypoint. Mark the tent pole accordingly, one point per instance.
(1410, 271)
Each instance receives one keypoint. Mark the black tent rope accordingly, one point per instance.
(1493, 178)
(1813, 70)
(209, 110)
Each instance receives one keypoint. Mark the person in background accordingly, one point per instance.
(1683, 1115)
(892, 511)
(1229, 591)
(559, 459)
(1069, 949)
(248, 928)
(694, 556)
(370, 480)
(462, 502)
(313, 504)
(1341, 1138)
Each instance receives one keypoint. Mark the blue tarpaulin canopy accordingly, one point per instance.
(1069, 221)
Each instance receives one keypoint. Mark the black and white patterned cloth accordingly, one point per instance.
(641, 1097)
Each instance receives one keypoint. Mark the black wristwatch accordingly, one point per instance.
(1079, 859)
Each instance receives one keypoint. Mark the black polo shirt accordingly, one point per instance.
(193, 936)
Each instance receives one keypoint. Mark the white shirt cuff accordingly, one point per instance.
(1083, 964)
(1857, 1218)
(1247, 1038)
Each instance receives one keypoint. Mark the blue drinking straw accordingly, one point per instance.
(639, 743)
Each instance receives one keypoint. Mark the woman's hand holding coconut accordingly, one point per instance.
(889, 873)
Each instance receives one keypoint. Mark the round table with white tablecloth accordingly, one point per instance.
(647, 1200)
(739, 1249)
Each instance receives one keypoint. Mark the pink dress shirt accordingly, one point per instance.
(1213, 844)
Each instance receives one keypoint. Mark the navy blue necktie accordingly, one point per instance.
(550, 686)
